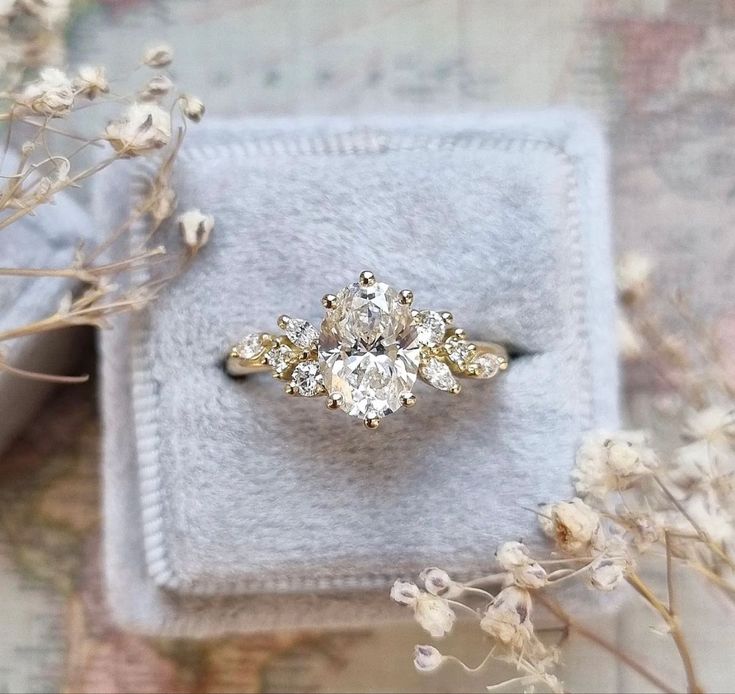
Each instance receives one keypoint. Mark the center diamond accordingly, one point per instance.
(369, 350)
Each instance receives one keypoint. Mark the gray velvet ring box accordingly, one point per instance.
(230, 506)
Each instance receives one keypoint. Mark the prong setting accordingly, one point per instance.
(334, 401)
(367, 278)
(329, 301)
(371, 421)
(405, 296)
(408, 399)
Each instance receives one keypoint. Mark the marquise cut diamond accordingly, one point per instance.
(302, 333)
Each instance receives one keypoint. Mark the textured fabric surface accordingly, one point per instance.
(217, 487)
(46, 239)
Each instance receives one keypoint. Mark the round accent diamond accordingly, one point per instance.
(307, 379)
(280, 358)
(250, 346)
(485, 365)
(431, 328)
(458, 350)
(369, 349)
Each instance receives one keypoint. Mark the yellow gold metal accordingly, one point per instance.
(283, 322)
(334, 400)
(367, 278)
(328, 301)
(371, 421)
(447, 317)
(406, 297)
(408, 399)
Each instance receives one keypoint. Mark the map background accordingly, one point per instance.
(660, 75)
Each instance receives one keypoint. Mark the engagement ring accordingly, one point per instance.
(369, 352)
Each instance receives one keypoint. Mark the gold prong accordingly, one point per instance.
(455, 389)
(328, 301)
(460, 333)
(408, 399)
(283, 321)
(502, 363)
(371, 421)
(472, 347)
(334, 400)
(405, 296)
(447, 317)
(367, 278)
(414, 313)
(290, 390)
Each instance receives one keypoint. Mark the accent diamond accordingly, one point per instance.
(302, 333)
(485, 365)
(458, 350)
(280, 358)
(369, 349)
(307, 379)
(431, 328)
(436, 373)
(250, 346)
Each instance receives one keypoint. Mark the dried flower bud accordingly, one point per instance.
(436, 581)
(50, 95)
(405, 593)
(158, 56)
(607, 573)
(508, 618)
(608, 462)
(515, 558)
(427, 658)
(196, 229)
(573, 525)
(143, 129)
(91, 81)
(192, 107)
(633, 275)
(432, 612)
(157, 86)
(27, 147)
(163, 204)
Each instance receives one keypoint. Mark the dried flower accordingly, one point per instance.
(611, 462)
(157, 86)
(437, 582)
(196, 229)
(50, 13)
(633, 277)
(714, 424)
(91, 81)
(607, 572)
(515, 558)
(432, 612)
(629, 342)
(573, 525)
(192, 107)
(158, 56)
(50, 95)
(427, 658)
(144, 128)
(508, 618)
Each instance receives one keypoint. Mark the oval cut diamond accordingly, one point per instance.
(369, 350)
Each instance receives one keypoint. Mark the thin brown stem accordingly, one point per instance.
(558, 611)
(672, 622)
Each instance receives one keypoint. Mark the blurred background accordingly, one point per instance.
(659, 75)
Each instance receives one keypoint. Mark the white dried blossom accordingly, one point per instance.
(607, 572)
(633, 277)
(711, 518)
(608, 462)
(427, 658)
(643, 529)
(144, 127)
(91, 81)
(508, 618)
(526, 572)
(50, 95)
(432, 612)
(714, 424)
(437, 582)
(157, 86)
(195, 228)
(694, 465)
(405, 593)
(158, 56)
(192, 107)
(573, 525)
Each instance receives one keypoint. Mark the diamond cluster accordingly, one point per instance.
(369, 351)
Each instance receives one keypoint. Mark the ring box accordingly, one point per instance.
(232, 507)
